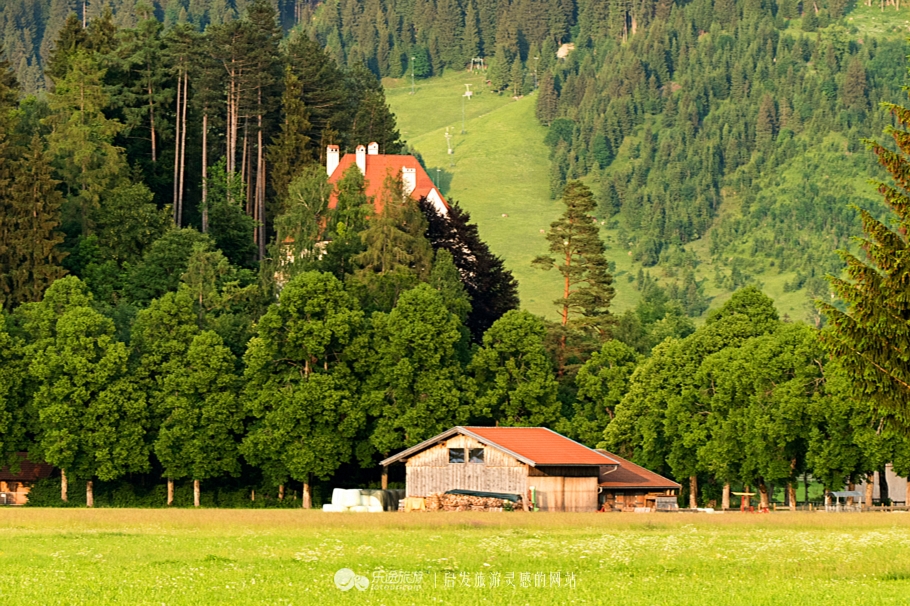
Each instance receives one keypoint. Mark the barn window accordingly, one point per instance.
(476, 455)
(456, 455)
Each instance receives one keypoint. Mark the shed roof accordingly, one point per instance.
(535, 446)
(28, 471)
(630, 475)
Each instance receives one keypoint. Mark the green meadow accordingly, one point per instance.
(123, 556)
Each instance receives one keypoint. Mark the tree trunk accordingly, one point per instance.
(195, 493)
(870, 489)
(205, 185)
(693, 492)
(725, 499)
(307, 498)
(260, 187)
(89, 494)
(791, 495)
(850, 486)
(170, 491)
(244, 172)
(152, 120)
(64, 487)
(883, 493)
(176, 208)
(385, 478)
(281, 492)
(763, 495)
(745, 502)
(186, 85)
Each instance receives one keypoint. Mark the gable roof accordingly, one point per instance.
(630, 475)
(378, 167)
(28, 471)
(534, 446)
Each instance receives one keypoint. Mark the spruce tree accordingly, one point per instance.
(872, 337)
(397, 254)
(289, 150)
(30, 256)
(81, 141)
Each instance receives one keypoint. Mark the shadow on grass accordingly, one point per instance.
(442, 177)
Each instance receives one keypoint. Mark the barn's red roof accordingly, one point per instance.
(532, 445)
(28, 471)
(380, 166)
(630, 475)
(541, 445)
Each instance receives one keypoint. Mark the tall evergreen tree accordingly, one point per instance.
(29, 219)
(490, 286)
(872, 337)
(587, 283)
(289, 150)
(81, 138)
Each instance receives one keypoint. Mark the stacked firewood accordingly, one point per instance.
(461, 502)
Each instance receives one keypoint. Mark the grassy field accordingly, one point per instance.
(120, 556)
(498, 171)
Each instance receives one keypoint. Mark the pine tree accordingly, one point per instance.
(145, 95)
(872, 337)
(471, 43)
(587, 283)
(766, 124)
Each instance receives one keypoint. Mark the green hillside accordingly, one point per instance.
(498, 171)
(500, 168)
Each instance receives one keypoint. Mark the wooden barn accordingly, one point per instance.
(627, 486)
(563, 473)
(15, 485)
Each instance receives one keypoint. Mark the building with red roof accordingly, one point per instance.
(628, 486)
(376, 167)
(548, 470)
(15, 485)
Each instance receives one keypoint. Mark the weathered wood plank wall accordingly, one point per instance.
(430, 471)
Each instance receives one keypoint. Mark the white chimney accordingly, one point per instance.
(373, 149)
(362, 159)
(331, 159)
(408, 179)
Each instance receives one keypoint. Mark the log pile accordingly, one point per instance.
(460, 502)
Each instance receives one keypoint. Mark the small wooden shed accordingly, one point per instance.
(627, 486)
(512, 460)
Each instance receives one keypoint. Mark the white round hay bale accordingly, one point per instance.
(351, 498)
